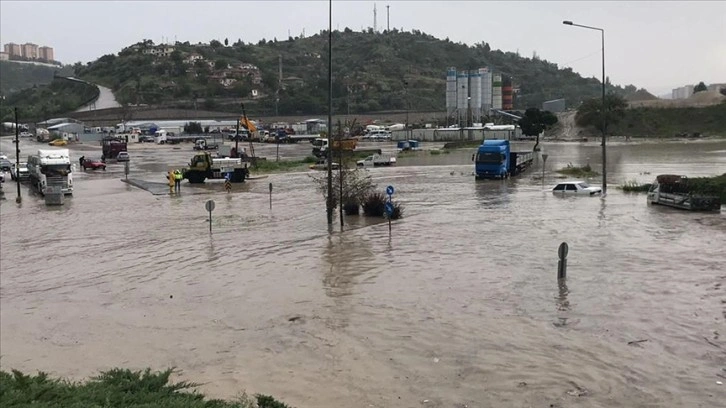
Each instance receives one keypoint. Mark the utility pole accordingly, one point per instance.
(329, 201)
(17, 155)
(388, 18)
(408, 106)
(279, 84)
(236, 141)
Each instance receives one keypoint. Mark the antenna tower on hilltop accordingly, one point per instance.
(388, 18)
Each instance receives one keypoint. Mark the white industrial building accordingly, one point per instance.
(682, 92)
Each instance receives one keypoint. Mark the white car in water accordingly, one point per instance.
(576, 188)
(21, 172)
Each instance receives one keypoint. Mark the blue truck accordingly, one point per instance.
(495, 159)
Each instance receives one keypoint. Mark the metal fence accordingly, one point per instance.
(455, 135)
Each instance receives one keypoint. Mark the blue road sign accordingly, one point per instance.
(389, 209)
(228, 176)
(389, 190)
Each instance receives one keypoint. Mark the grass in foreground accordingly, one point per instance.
(114, 388)
(583, 172)
(635, 187)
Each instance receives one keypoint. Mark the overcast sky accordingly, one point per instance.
(655, 45)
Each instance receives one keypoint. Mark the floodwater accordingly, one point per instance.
(458, 306)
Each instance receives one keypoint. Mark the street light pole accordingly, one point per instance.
(408, 107)
(17, 156)
(603, 109)
(329, 202)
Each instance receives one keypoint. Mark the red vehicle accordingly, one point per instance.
(112, 146)
(93, 164)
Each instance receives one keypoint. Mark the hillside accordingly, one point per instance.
(370, 72)
(651, 122)
(44, 102)
(672, 121)
(15, 76)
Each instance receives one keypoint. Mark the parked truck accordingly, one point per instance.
(112, 146)
(202, 144)
(203, 166)
(51, 168)
(494, 159)
(320, 145)
(377, 160)
(676, 191)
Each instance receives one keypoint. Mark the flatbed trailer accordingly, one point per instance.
(675, 191)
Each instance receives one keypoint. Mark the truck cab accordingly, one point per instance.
(490, 160)
(202, 144)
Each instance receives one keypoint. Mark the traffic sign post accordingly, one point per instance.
(544, 163)
(209, 206)
(562, 264)
(389, 206)
(126, 169)
(228, 182)
(270, 195)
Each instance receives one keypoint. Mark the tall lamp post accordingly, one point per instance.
(329, 201)
(408, 107)
(603, 109)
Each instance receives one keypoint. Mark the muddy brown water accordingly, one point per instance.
(459, 306)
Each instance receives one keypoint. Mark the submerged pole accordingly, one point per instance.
(329, 203)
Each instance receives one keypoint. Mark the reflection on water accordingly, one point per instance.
(563, 304)
(459, 294)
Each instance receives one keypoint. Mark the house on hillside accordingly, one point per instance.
(162, 50)
(227, 82)
(192, 58)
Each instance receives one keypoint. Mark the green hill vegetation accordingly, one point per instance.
(43, 102)
(372, 72)
(15, 76)
(670, 122)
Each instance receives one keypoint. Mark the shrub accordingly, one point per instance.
(397, 211)
(374, 205)
(635, 187)
(351, 208)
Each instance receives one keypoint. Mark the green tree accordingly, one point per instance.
(193, 128)
(226, 42)
(215, 44)
(700, 87)
(535, 122)
(220, 64)
(590, 113)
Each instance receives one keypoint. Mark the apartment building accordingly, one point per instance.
(30, 51)
(13, 49)
(46, 53)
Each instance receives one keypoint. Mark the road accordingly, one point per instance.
(105, 100)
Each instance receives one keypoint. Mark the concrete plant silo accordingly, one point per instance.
(475, 91)
(486, 90)
(507, 94)
(462, 96)
(450, 91)
(497, 91)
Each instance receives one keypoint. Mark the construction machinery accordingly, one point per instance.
(203, 166)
